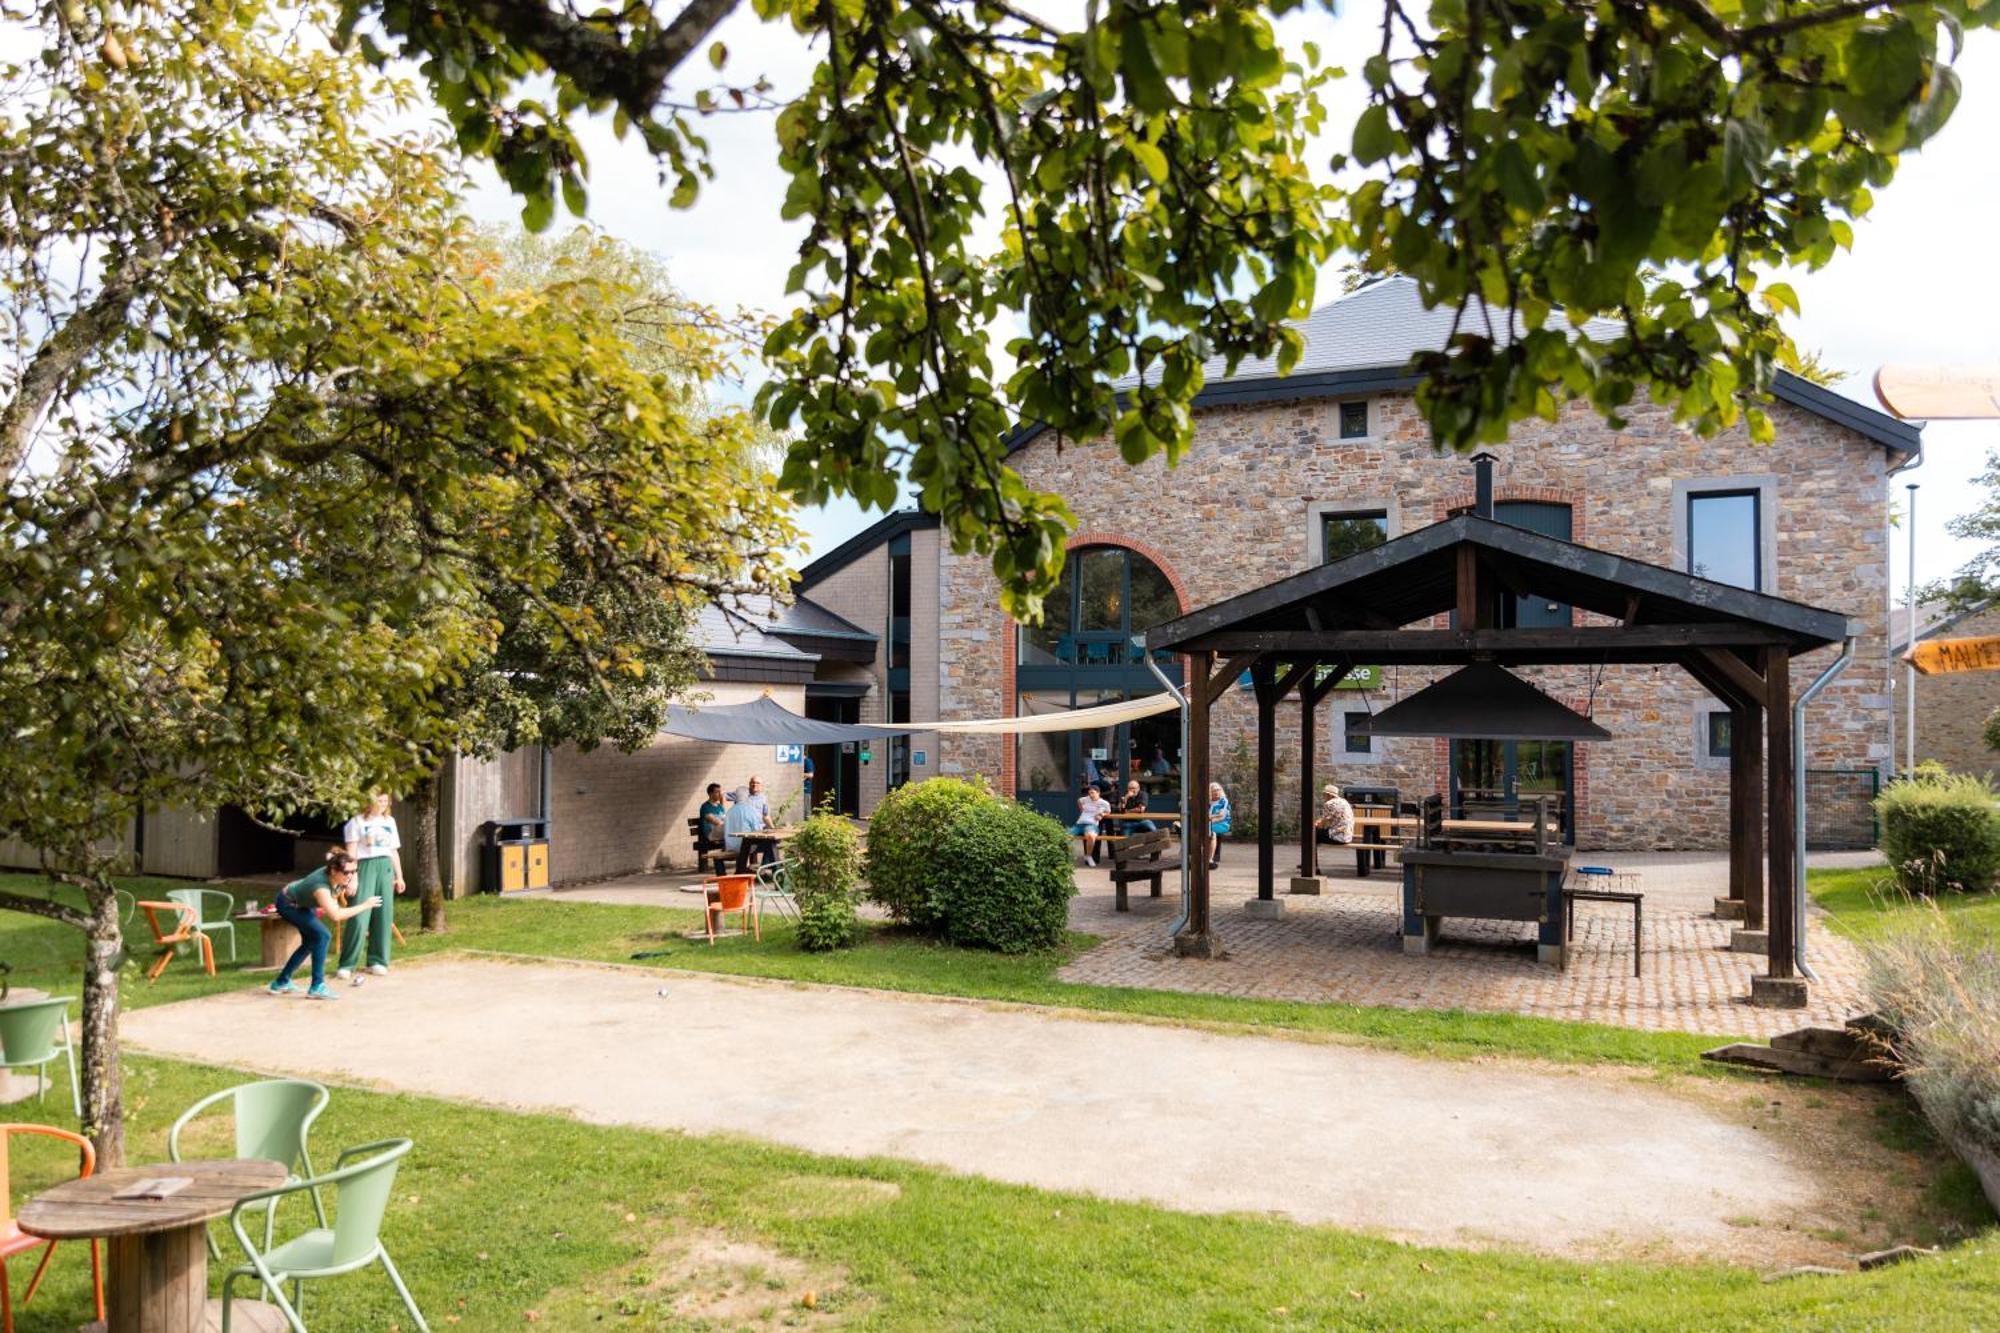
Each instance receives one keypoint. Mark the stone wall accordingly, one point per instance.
(1241, 509)
(1952, 710)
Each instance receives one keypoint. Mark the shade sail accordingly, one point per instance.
(767, 722)
(1481, 702)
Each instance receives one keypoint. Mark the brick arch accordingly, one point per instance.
(1463, 502)
(1010, 694)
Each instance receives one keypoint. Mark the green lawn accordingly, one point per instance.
(498, 1215)
(48, 955)
(1866, 902)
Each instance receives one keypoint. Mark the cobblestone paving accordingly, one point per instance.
(1344, 947)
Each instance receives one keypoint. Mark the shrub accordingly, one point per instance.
(1005, 878)
(1940, 831)
(1939, 988)
(903, 840)
(825, 860)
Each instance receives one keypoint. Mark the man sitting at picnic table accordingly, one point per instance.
(1134, 803)
(1336, 817)
(714, 814)
(750, 814)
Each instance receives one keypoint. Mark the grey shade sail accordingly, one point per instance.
(1481, 702)
(765, 721)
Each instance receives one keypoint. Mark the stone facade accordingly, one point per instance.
(1242, 510)
(1952, 709)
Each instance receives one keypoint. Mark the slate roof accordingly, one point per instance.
(1363, 342)
(749, 634)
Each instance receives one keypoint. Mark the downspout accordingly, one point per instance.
(548, 811)
(1187, 905)
(1834, 668)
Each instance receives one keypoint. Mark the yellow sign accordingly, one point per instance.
(1937, 657)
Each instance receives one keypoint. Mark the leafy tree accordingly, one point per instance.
(1978, 579)
(1150, 163)
(539, 684)
(272, 456)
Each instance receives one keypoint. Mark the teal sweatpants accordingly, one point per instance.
(376, 875)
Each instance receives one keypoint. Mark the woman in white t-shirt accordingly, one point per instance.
(375, 845)
(1091, 807)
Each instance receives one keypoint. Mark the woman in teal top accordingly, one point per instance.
(296, 904)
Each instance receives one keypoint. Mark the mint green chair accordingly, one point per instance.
(28, 1037)
(207, 901)
(272, 1120)
(361, 1194)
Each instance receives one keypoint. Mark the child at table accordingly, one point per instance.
(297, 902)
(1091, 807)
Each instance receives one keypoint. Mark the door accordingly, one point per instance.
(836, 768)
(1496, 779)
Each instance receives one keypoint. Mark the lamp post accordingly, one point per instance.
(1910, 672)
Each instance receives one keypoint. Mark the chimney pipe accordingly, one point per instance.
(1482, 484)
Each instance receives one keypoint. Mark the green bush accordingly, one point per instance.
(825, 860)
(1004, 878)
(903, 839)
(1941, 831)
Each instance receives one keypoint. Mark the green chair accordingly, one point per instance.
(361, 1194)
(28, 1036)
(203, 901)
(272, 1119)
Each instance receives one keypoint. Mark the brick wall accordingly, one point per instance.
(1952, 710)
(1238, 513)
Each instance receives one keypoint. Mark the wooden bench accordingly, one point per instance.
(1582, 888)
(1136, 858)
(705, 852)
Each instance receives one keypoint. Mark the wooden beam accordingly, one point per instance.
(1286, 683)
(1236, 665)
(1719, 685)
(1314, 692)
(1631, 616)
(1466, 583)
(1781, 840)
(1267, 779)
(1746, 795)
(1660, 643)
(1308, 739)
(1748, 681)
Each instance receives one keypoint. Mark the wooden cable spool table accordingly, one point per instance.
(156, 1260)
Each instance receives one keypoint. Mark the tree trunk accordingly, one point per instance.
(102, 1072)
(420, 853)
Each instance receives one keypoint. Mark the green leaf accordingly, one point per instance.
(538, 209)
(1374, 141)
(1150, 158)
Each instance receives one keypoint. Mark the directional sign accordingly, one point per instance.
(1940, 393)
(1937, 657)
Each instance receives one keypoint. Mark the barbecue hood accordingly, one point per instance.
(1481, 702)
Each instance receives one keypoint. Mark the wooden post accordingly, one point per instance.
(1261, 676)
(1308, 709)
(1196, 939)
(1746, 796)
(1781, 881)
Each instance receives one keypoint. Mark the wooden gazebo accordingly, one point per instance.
(1437, 597)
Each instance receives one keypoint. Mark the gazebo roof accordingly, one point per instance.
(1370, 606)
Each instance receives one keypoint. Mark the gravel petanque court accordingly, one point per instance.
(1452, 1152)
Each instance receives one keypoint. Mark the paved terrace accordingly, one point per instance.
(1345, 947)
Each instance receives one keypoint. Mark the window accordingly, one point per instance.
(1718, 738)
(1723, 530)
(1342, 535)
(1358, 742)
(1106, 595)
(1354, 419)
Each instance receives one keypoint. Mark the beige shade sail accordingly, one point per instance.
(1066, 719)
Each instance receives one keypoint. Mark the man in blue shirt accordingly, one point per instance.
(750, 814)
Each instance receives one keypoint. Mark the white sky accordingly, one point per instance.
(1922, 284)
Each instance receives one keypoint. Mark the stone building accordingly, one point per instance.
(1286, 472)
(1952, 709)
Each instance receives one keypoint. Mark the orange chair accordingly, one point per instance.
(15, 1241)
(733, 893)
(185, 920)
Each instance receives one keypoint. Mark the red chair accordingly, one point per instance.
(732, 893)
(15, 1241)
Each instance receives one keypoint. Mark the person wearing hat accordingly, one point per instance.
(1336, 817)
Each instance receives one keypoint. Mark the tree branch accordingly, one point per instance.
(59, 357)
(593, 58)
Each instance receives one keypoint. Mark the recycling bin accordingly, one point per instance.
(514, 855)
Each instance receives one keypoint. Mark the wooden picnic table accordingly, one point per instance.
(156, 1268)
(277, 938)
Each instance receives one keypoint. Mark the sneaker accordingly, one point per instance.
(321, 992)
(1090, 861)
(343, 974)
(378, 969)
(283, 988)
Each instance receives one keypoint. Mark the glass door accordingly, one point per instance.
(1493, 779)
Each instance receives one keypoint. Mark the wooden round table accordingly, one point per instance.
(156, 1269)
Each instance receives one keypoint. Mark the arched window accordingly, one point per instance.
(1085, 653)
